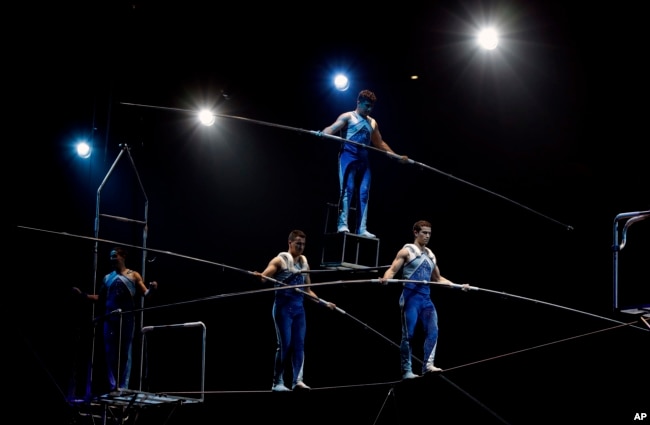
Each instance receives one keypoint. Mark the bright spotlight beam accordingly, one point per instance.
(83, 149)
(488, 39)
(207, 118)
(341, 82)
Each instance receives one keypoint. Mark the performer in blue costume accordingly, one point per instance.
(418, 263)
(289, 312)
(118, 295)
(359, 127)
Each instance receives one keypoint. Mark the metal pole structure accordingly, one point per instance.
(89, 378)
(187, 325)
(631, 217)
(124, 149)
(143, 266)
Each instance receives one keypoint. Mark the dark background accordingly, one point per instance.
(530, 152)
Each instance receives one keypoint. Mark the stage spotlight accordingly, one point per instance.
(207, 118)
(488, 39)
(83, 149)
(341, 82)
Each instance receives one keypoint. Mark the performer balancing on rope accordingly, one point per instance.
(288, 269)
(418, 263)
(359, 127)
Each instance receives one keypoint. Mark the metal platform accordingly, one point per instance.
(349, 251)
(132, 398)
(346, 251)
(118, 406)
(642, 310)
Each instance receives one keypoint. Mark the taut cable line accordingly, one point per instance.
(542, 345)
(320, 301)
(322, 135)
(328, 283)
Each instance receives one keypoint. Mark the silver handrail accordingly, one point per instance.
(631, 217)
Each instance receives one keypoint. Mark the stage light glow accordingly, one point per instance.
(341, 82)
(488, 38)
(83, 149)
(207, 118)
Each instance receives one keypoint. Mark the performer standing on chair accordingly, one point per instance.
(289, 311)
(118, 297)
(353, 162)
(417, 263)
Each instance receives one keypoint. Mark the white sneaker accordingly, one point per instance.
(432, 369)
(409, 375)
(280, 388)
(343, 229)
(367, 234)
(301, 386)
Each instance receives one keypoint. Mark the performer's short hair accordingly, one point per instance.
(420, 224)
(366, 95)
(296, 234)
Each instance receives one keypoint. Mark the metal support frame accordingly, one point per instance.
(125, 150)
(620, 239)
(117, 405)
(148, 329)
(356, 242)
